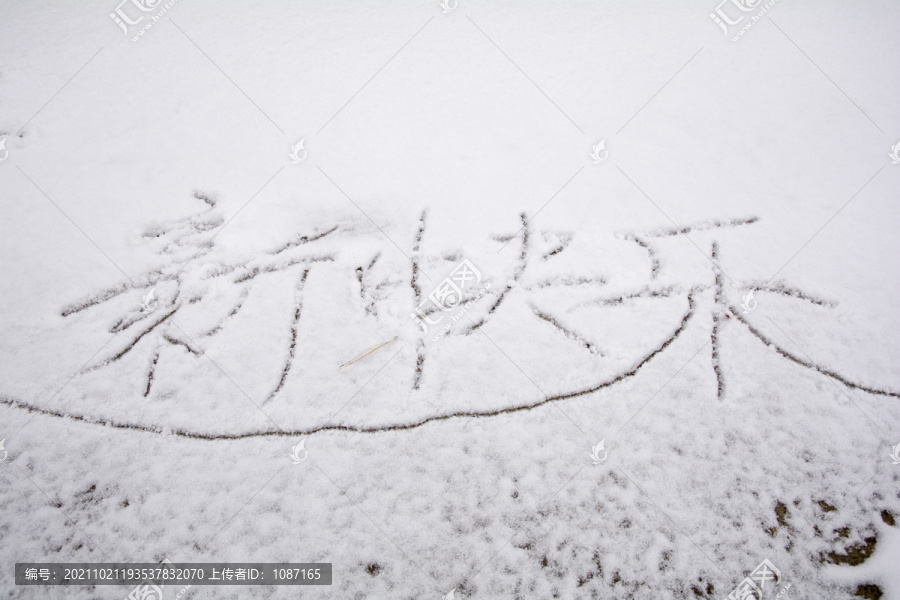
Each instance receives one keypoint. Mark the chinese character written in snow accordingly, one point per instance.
(194, 285)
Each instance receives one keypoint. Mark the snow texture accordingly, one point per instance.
(449, 300)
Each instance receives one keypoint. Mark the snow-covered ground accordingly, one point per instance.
(604, 299)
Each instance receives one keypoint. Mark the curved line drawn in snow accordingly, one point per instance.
(182, 240)
(397, 427)
(811, 365)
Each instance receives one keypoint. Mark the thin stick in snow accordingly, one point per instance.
(359, 357)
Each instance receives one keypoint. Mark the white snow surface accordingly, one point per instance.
(463, 461)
